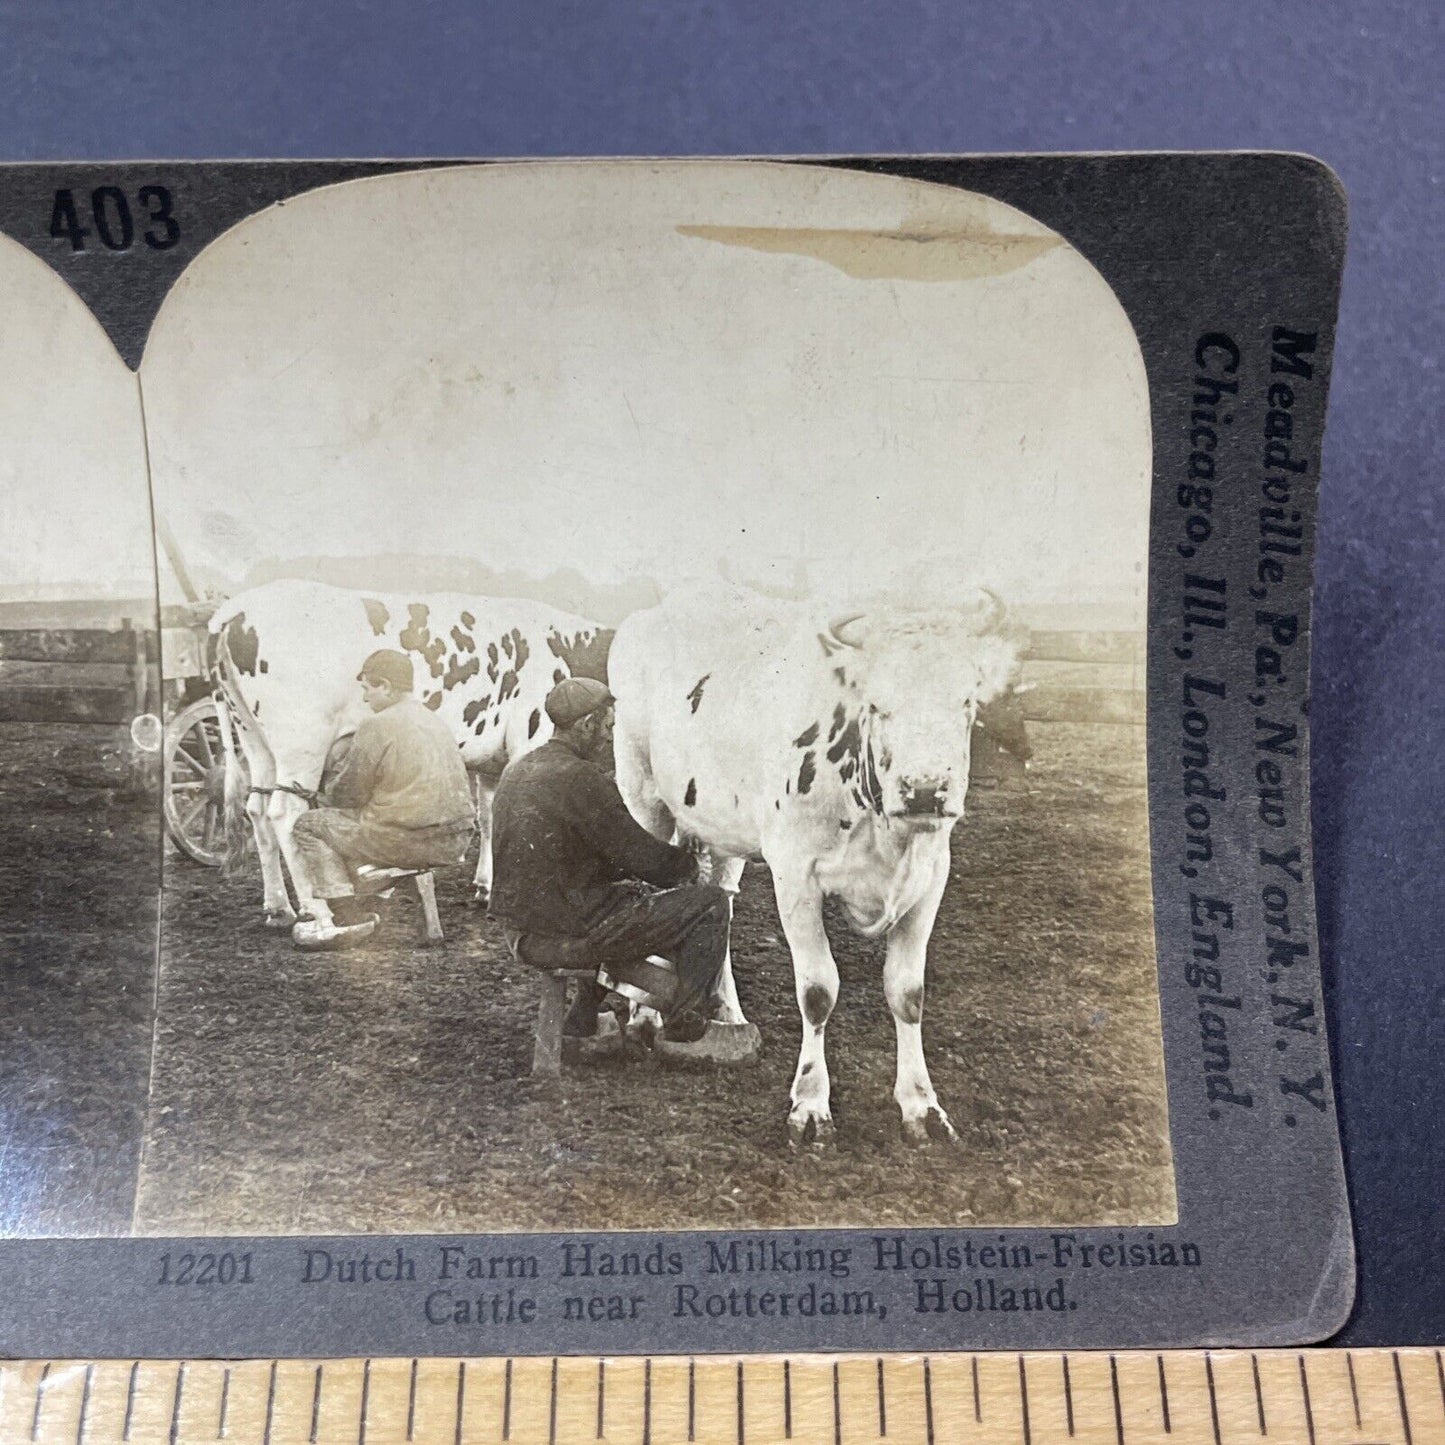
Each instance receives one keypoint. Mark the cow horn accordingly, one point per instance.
(994, 611)
(838, 624)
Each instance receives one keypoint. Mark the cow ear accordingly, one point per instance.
(998, 667)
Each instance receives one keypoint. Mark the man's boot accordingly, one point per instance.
(350, 924)
(581, 1020)
(689, 1038)
(589, 1031)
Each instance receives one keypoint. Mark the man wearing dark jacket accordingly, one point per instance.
(578, 883)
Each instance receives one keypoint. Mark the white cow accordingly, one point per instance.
(286, 659)
(840, 753)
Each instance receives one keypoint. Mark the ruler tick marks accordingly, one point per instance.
(837, 1409)
(39, 1400)
(462, 1401)
(928, 1396)
(1304, 1385)
(552, 1406)
(130, 1402)
(506, 1404)
(740, 1403)
(1400, 1390)
(787, 1401)
(84, 1404)
(270, 1406)
(411, 1404)
(365, 1395)
(176, 1403)
(647, 1402)
(1354, 1389)
(1024, 1402)
(225, 1403)
(316, 1404)
(1068, 1395)
(1163, 1395)
(1118, 1404)
(977, 1398)
(1213, 1398)
(691, 1398)
(1258, 1394)
(882, 1403)
(601, 1399)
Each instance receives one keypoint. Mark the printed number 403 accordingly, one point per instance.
(114, 223)
(205, 1269)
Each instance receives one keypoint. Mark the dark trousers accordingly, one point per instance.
(688, 926)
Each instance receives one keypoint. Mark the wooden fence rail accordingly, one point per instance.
(1086, 647)
(73, 644)
(76, 675)
(1095, 677)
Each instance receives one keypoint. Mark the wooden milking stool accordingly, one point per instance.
(381, 880)
(551, 1010)
(650, 982)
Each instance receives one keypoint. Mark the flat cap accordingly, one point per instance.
(387, 665)
(573, 698)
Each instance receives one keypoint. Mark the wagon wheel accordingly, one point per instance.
(195, 783)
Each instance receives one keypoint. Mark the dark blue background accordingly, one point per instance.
(1356, 84)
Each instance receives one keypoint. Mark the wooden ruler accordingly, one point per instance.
(1295, 1397)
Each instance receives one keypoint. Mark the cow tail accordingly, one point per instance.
(237, 824)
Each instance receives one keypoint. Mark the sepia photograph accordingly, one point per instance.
(80, 860)
(635, 720)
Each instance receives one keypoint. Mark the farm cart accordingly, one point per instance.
(93, 662)
(192, 753)
(193, 778)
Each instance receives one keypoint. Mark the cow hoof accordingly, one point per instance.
(814, 1129)
(934, 1125)
(280, 920)
(481, 897)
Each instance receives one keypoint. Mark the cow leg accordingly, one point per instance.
(815, 981)
(283, 811)
(484, 789)
(727, 874)
(279, 913)
(922, 1115)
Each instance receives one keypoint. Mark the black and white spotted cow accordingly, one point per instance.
(286, 659)
(838, 751)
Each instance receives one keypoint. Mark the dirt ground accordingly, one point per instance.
(79, 870)
(388, 1090)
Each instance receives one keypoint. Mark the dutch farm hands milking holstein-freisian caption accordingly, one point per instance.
(460, 1286)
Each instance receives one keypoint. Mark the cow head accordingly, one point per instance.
(916, 681)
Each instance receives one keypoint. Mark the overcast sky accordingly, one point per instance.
(640, 368)
(630, 369)
(74, 511)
